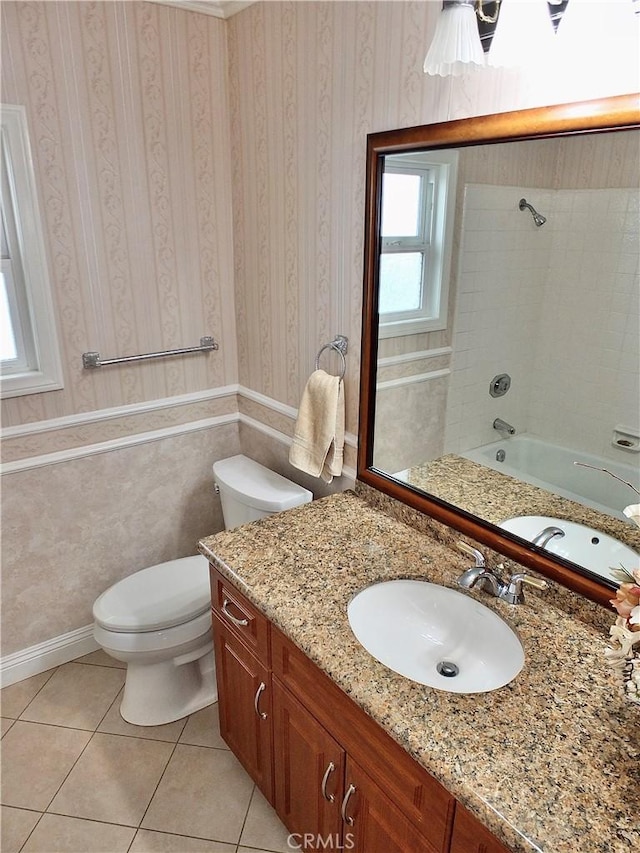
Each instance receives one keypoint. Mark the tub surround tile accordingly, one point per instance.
(559, 736)
(76, 695)
(57, 834)
(51, 749)
(96, 791)
(212, 778)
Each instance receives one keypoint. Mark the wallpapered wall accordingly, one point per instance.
(198, 176)
(128, 118)
(308, 82)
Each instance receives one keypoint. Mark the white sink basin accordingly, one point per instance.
(422, 630)
(586, 546)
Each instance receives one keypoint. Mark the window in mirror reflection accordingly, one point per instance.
(418, 193)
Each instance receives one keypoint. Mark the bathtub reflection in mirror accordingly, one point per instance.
(539, 329)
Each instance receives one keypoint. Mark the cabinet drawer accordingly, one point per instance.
(241, 618)
(418, 795)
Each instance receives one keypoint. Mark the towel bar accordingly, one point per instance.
(339, 344)
(91, 360)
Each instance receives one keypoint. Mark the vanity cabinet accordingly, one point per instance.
(470, 836)
(334, 776)
(241, 644)
(308, 770)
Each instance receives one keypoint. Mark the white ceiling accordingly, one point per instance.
(217, 8)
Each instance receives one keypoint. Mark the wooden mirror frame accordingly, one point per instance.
(616, 113)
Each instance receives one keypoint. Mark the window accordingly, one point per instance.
(418, 204)
(29, 357)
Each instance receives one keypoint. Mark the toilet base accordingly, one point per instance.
(160, 693)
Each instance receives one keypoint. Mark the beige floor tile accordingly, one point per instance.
(5, 725)
(147, 841)
(35, 761)
(203, 729)
(204, 792)
(114, 724)
(77, 696)
(114, 780)
(263, 827)
(101, 658)
(260, 849)
(15, 826)
(56, 834)
(15, 698)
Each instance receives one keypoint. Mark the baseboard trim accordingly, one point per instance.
(44, 656)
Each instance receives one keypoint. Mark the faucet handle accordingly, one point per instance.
(514, 593)
(472, 552)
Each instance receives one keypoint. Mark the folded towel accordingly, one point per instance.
(318, 438)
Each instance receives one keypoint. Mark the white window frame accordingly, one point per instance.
(38, 367)
(439, 170)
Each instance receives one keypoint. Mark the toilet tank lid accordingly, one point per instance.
(259, 487)
(159, 597)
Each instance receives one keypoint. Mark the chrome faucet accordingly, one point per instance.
(545, 536)
(509, 591)
(503, 426)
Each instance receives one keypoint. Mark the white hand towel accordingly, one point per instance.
(318, 438)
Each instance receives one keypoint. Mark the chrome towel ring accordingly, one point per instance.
(339, 344)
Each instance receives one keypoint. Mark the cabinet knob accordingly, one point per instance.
(330, 768)
(346, 818)
(256, 701)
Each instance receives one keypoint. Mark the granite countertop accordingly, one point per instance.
(550, 762)
(495, 497)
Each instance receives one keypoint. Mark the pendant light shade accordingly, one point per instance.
(601, 31)
(456, 45)
(524, 34)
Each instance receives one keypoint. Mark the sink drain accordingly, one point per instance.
(447, 668)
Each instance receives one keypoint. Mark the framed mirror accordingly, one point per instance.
(500, 380)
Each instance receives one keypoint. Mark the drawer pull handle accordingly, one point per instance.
(350, 791)
(256, 700)
(330, 768)
(241, 623)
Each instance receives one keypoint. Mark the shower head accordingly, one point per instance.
(538, 218)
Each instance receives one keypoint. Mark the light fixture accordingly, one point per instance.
(524, 34)
(456, 45)
(604, 32)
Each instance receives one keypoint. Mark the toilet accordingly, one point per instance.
(158, 620)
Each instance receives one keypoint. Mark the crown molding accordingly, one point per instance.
(216, 8)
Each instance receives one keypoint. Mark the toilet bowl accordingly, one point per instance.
(158, 620)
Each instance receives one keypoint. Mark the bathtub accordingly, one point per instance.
(551, 467)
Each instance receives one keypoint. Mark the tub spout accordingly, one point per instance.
(503, 426)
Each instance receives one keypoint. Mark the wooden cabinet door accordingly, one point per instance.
(244, 690)
(308, 774)
(372, 823)
(470, 836)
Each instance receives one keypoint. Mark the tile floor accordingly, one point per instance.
(77, 779)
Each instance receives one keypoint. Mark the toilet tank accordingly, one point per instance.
(249, 491)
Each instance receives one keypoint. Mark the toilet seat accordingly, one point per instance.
(157, 598)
